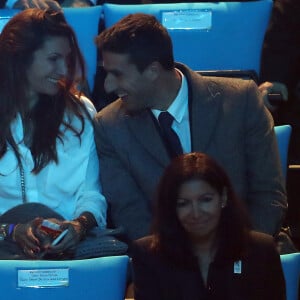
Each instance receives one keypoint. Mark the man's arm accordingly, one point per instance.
(127, 205)
(266, 185)
(278, 89)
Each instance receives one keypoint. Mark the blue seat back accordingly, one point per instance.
(85, 21)
(291, 269)
(97, 278)
(233, 41)
(5, 15)
(283, 134)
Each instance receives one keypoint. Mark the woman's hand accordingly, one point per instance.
(75, 234)
(25, 235)
(35, 241)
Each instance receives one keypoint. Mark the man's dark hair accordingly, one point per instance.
(140, 36)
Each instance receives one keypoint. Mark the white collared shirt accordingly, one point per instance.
(69, 187)
(180, 111)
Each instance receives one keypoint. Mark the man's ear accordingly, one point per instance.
(153, 71)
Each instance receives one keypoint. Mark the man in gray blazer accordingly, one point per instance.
(222, 117)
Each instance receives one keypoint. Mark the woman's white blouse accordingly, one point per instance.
(69, 187)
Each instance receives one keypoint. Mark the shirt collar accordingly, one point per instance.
(180, 103)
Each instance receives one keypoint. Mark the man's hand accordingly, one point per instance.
(267, 88)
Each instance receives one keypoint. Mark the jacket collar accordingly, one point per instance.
(204, 107)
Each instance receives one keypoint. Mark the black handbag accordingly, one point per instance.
(101, 242)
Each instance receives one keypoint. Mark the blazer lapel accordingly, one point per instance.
(143, 127)
(204, 108)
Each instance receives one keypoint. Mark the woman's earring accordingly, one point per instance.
(224, 199)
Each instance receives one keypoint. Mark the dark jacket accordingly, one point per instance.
(261, 275)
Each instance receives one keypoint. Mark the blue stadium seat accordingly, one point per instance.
(291, 269)
(283, 134)
(85, 21)
(233, 41)
(5, 15)
(101, 278)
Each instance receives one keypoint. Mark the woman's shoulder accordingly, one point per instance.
(260, 237)
(261, 242)
(145, 252)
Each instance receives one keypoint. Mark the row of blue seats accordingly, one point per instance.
(97, 278)
(206, 36)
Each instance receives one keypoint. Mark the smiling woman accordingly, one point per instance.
(202, 246)
(199, 208)
(48, 67)
(48, 161)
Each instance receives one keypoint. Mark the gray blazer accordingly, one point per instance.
(228, 121)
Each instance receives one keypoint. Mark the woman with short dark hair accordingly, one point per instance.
(202, 246)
